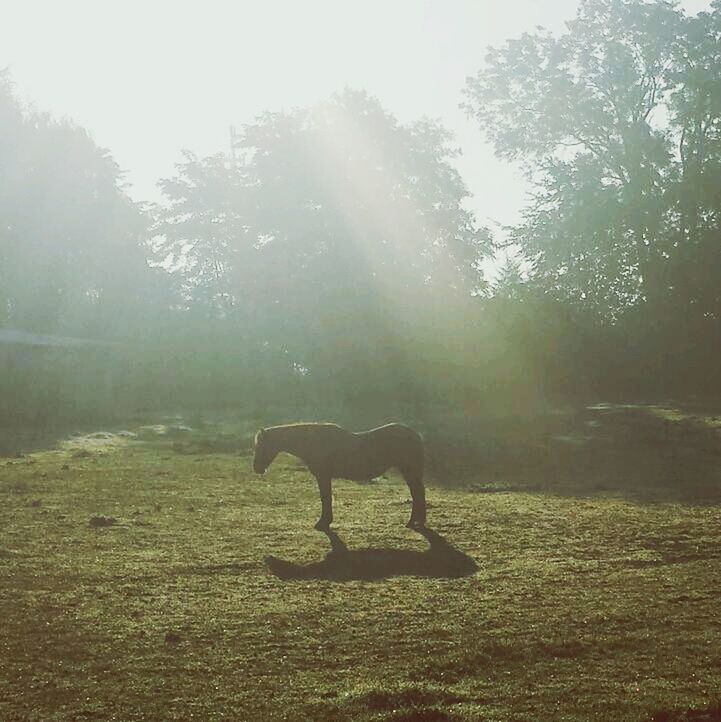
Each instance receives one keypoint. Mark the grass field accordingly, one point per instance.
(158, 578)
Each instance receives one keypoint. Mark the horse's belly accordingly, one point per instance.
(360, 471)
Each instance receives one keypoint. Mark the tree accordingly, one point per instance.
(72, 255)
(335, 230)
(695, 113)
(618, 124)
(583, 112)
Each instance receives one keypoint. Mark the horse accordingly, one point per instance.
(331, 452)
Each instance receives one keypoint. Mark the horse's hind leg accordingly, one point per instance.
(326, 501)
(414, 479)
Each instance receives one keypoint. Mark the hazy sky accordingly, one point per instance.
(150, 77)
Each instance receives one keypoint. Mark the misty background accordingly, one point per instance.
(401, 224)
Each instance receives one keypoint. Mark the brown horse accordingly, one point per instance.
(330, 452)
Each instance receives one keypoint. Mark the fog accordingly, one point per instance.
(147, 79)
(400, 223)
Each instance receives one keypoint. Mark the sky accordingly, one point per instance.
(149, 78)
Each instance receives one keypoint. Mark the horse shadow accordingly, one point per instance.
(440, 561)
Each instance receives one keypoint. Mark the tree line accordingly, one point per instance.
(331, 258)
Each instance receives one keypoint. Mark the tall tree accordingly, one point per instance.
(335, 227)
(618, 124)
(72, 255)
(584, 112)
(695, 195)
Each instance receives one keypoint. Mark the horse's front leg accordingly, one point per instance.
(326, 501)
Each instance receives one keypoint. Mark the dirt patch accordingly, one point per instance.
(83, 445)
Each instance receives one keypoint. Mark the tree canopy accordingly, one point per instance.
(616, 121)
(334, 235)
(331, 253)
(72, 254)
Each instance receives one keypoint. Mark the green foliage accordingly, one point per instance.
(329, 243)
(71, 253)
(616, 121)
(329, 267)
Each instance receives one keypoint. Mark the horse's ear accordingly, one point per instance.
(259, 435)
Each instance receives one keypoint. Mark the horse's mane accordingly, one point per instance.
(294, 425)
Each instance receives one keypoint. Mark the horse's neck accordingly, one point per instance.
(291, 440)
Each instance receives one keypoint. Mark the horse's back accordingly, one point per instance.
(392, 445)
(393, 434)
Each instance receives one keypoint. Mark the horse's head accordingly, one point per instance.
(264, 453)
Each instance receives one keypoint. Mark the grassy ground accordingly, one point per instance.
(157, 578)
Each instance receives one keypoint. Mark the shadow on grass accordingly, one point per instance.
(642, 452)
(440, 561)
